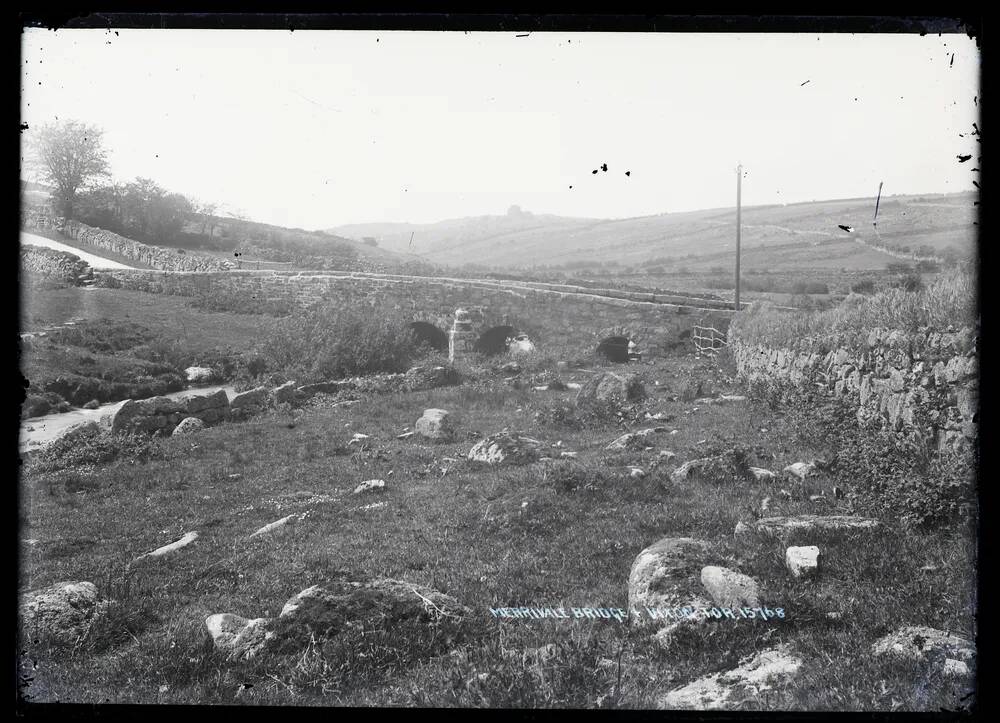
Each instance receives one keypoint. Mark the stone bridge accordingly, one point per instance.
(496, 308)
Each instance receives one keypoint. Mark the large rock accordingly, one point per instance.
(734, 689)
(611, 387)
(640, 439)
(324, 611)
(723, 467)
(666, 575)
(202, 402)
(188, 425)
(506, 448)
(249, 402)
(730, 589)
(782, 526)
(283, 394)
(238, 637)
(435, 424)
(77, 431)
(60, 611)
(923, 644)
(147, 415)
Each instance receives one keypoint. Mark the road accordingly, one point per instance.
(96, 262)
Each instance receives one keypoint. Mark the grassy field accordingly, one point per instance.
(809, 230)
(114, 344)
(466, 531)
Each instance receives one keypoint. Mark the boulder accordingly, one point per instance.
(802, 561)
(435, 424)
(639, 439)
(611, 387)
(60, 611)
(186, 540)
(732, 689)
(780, 526)
(723, 467)
(249, 402)
(238, 637)
(370, 485)
(922, 644)
(283, 394)
(147, 415)
(800, 470)
(322, 612)
(188, 425)
(274, 526)
(666, 575)
(730, 589)
(506, 448)
(199, 375)
(202, 402)
(76, 431)
(92, 404)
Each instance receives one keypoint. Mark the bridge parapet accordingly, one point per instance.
(540, 310)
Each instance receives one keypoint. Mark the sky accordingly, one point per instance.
(314, 129)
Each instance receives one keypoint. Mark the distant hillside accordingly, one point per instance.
(932, 224)
(278, 243)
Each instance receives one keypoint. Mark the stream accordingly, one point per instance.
(39, 431)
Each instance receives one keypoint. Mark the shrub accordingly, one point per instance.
(331, 342)
(910, 282)
(949, 300)
(94, 448)
(866, 286)
(886, 475)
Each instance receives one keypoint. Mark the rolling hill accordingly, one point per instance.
(930, 224)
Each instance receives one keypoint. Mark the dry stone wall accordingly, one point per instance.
(154, 256)
(52, 264)
(655, 325)
(926, 381)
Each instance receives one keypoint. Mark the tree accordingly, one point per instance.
(68, 155)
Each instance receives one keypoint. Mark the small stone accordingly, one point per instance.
(238, 637)
(762, 475)
(188, 425)
(276, 525)
(435, 424)
(368, 485)
(636, 473)
(802, 470)
(802, 561)
(955, 668)
(186, 540)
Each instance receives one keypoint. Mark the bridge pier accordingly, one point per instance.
(461, 337)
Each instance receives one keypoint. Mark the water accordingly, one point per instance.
(39, 431)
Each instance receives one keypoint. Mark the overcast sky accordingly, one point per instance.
(319, 128)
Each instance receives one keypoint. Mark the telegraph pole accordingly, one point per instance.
(739, 179)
